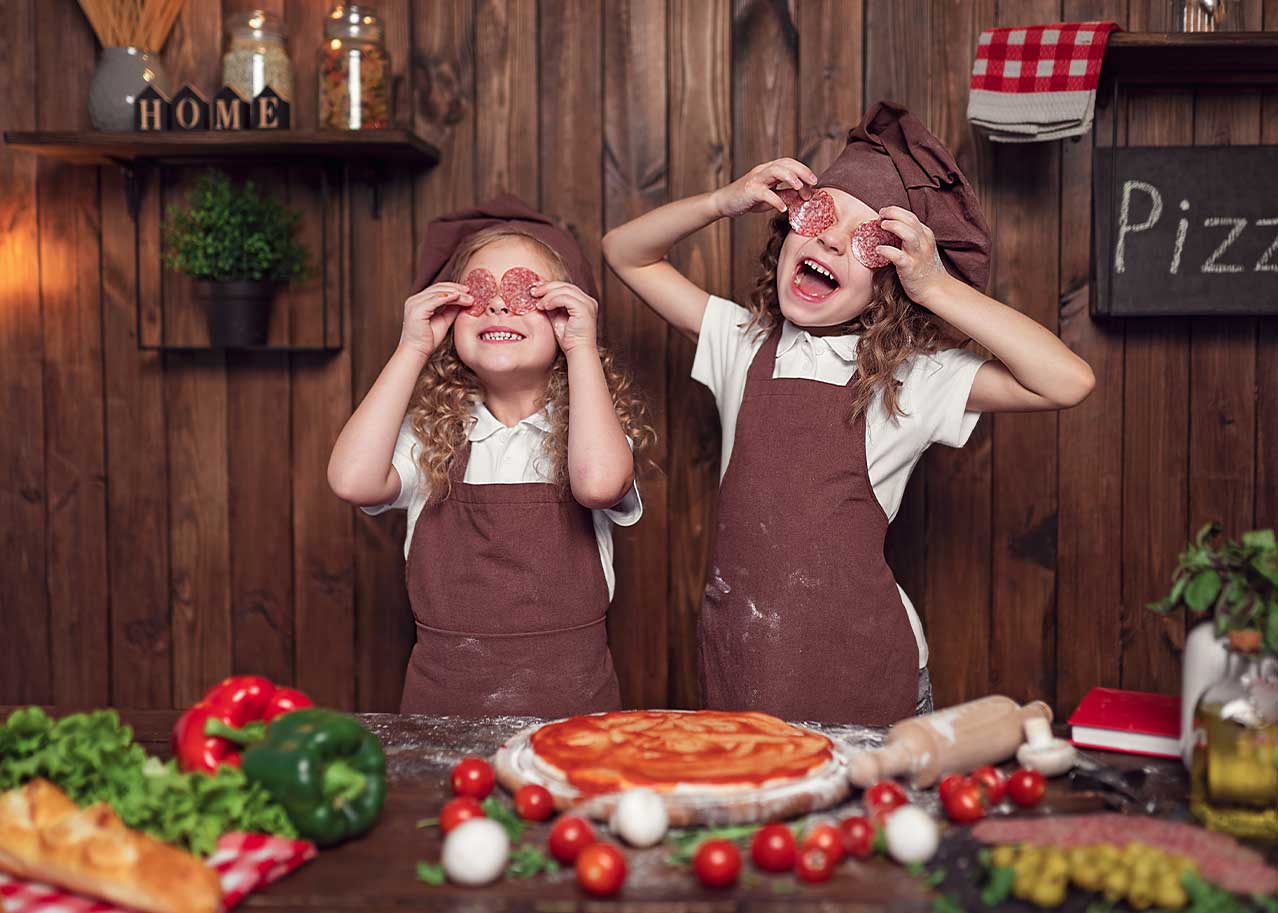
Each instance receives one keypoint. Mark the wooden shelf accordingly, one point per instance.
(188, 350)
(1200, 58)
(91, 147)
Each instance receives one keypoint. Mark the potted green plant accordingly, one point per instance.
(238, 244)
(1235, 581)
(1229, 689)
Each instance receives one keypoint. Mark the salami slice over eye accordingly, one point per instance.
(790, 198)
(812, 216)
(869, 235)
(516, 289)
(482, 286)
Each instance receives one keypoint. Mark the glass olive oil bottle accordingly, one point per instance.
(1234, 770)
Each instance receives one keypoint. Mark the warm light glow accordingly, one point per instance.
(19, 281)
(335, 43)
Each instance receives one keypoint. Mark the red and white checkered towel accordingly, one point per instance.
(1036, 83)
(244, 863)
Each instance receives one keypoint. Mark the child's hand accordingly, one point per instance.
(755, 191)
(917, 261)
(573, 314)
(429, 314)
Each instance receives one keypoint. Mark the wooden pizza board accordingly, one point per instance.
(689, 806)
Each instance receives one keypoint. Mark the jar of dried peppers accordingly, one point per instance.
(354, 70)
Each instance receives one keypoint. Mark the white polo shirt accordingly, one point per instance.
(499, 456)
(933, 393)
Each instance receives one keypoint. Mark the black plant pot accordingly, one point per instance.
(239, 313)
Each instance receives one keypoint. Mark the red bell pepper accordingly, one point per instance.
(232, 715)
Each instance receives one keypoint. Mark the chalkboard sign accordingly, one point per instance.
(1185, 230)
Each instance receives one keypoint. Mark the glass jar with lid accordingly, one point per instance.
(354, 70)
(256, 55)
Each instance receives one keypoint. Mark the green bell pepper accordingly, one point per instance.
(325, 769)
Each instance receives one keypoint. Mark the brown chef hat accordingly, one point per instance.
(891, 159)
(444, 234)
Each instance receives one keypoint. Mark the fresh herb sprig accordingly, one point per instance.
(999, 886)
(528, 860)
(1205, 897)
(1266, 903)
(947, 903)
(431, 872)
(686, 841)
(511, 823)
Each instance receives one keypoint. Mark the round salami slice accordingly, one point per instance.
(869, 235)
(811, 216)
(790, 198)
(482, 286)
(516, 289)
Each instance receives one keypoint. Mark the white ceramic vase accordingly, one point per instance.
(120, 76)
(1202, 665)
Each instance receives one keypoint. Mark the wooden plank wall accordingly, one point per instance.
(165, 518)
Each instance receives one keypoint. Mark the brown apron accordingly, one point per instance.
(802, 617)
(510, 599)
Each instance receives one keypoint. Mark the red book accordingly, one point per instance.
(1134, 722)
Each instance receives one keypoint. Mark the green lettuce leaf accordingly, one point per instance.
(93, 758)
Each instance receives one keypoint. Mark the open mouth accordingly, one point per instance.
(814, 282)
(500, 334)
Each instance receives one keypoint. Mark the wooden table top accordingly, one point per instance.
(378, 872)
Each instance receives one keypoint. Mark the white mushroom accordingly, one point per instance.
(640, 818)
(1043, 752)
(475, 852)
(911, 835)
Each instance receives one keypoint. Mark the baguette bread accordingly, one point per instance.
(45, 837)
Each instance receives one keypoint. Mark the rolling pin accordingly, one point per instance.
(954, 740)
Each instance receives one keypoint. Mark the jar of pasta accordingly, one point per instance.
(354, 70)
(256, 55)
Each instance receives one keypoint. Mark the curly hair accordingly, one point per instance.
(892, 328)
(440, 409)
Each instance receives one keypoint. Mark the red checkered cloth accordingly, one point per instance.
(244, 863)
(1038, 82)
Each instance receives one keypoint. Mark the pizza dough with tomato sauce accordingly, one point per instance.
(712, 767)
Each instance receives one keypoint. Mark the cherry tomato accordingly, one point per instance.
(828, 839)
(814, 865)
(773, 848)
(992, 781)
(964, 804)
(717, 863)
(949, 783)
(884, 797)
(533, 802)
(601, 869)
(569, 837)
(455, 811)
(858, 836)
(473, 777)
(1026, 787)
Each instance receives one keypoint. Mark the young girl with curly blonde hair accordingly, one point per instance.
(842, 370)
(511, 494)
